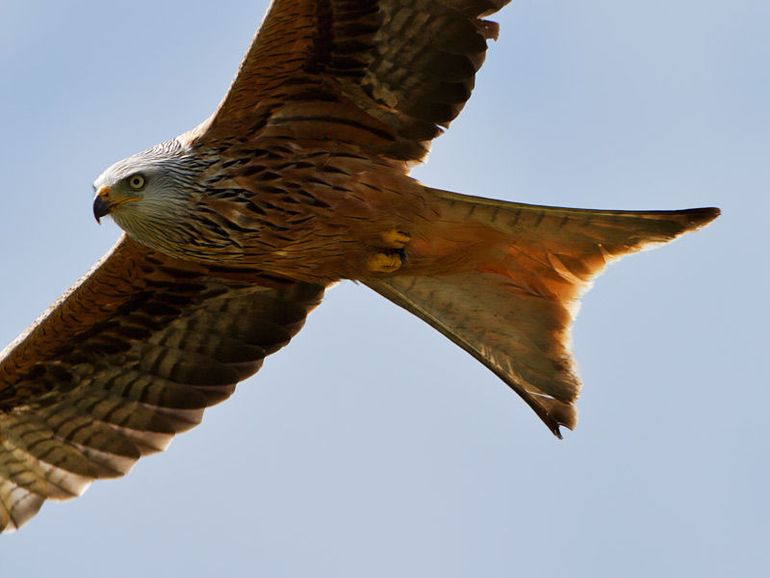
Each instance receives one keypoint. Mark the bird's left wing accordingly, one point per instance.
(384, 75)
(129, 357)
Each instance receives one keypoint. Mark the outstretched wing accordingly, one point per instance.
(129, 357)
(383, 74)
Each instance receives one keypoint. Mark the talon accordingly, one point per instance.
(395, 239)
(384, 262)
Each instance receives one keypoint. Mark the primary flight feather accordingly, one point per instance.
(299, 179)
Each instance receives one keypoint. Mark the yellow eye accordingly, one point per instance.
(136, 182)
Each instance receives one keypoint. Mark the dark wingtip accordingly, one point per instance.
(555, 424)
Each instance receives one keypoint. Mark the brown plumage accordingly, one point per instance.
(299, 179)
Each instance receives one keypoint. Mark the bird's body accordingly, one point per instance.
(298, 180)
(301, 211)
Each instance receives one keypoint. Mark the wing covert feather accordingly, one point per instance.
(126, 359)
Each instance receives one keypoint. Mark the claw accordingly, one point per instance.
(384, 262)
(395, 239)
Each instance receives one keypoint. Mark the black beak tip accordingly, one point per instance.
(101, 209)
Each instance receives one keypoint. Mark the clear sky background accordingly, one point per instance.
(372, 446)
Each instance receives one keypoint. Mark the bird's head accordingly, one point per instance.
(143, 186)
(154, 197)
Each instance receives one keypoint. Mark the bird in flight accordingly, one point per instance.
(299, 179)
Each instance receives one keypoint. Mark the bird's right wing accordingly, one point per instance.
(129, 357)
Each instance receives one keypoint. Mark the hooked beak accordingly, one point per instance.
(102, 204)
(106, 201)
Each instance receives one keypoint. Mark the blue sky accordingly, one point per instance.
(372, 446)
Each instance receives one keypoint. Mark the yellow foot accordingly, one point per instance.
(384, 262)
(395, 239)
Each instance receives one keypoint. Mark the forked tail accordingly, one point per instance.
(513, 282)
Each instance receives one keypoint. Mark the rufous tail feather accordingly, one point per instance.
(519, 272)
